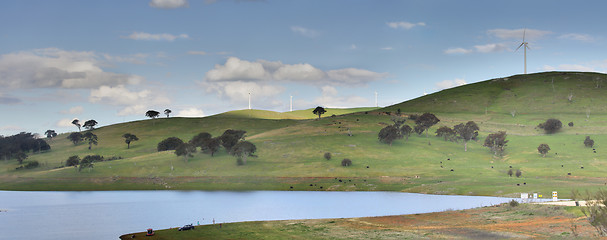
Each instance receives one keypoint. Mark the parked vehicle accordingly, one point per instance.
(186, 227)
(150, 232)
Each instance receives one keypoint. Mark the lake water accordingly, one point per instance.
(109, 214)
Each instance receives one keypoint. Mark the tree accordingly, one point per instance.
(426, 121)
(75, 137)
(551, 125)
(90, 124)
(242, 150)
(328, 155)
(50, 133)
(543, 149)
(446, 132)
(167, 112)
(467, 132)
(128, 138)
(72, 161)
(319, 111)
(496, 142)
(346, 162)
(170, 143)
(85, 163)
(212, 145)
(595, 210)
(588, 142)
(201, 139)
(510, 172)
(518, 173)
(186, 150)
(230, 138)
(77, 123)
(405, 131)
(152, 114)
(388, 134)
(21, 156)
(91, 138)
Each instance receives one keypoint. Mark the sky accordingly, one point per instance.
(113, 60)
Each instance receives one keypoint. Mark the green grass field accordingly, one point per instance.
(291, 147)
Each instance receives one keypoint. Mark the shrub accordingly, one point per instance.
(510, 172)
(595, 210)
(328, 155)
(551, 125)
(170, 143)
(346, 162)
(588, 142)
(518, 173)
(92, 158)
(513, 203)
(543, 149)
(570, 124)
(72, 161)
(32, 164)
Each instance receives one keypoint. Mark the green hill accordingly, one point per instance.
(291, 146)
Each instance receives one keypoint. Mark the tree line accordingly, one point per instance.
(19, 145)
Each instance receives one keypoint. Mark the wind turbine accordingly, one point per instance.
(525, 47)
(376, 105)
(249, 101)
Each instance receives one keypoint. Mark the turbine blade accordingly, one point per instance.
(519, 46)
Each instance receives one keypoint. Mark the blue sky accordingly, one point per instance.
(113, 60)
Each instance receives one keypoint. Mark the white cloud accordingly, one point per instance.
(577, 37)
(569, 67)
(330, 98)
(450, 83)
(387, 48)
(304, 31)
(133, 58)
(405, 25)
(156, 37)
(169, 4)
(66, 122)
(530, 34)
(134, 102)
(492, 47)
(458, 51)
(56, 68)
(197, 53)
(190, 112)
(73, 110)
(353, 46)
(261, 70)
(238, 92)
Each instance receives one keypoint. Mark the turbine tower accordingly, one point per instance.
(249, 101)
(525, 47)
(291, 106)
(376, 105)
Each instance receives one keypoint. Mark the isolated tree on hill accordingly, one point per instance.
(167, 112)
(186, 150)
(346, 162)
(388, 134)
(128, 138)
(242, 150)
(467, 132)
(551, 125)
(90, 124)
(75, 137)
(405, 131)
(327, 155)
(212, 145)
(319, 111)
(543, 149)
(446, 132)
(496, 142)
(91, 138)
(77, 123)
(426, 121)
(588, 142)
(152, 114)
(50, 133)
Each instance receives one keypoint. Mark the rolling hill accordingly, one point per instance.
(291, 146)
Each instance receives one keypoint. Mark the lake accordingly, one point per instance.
(109, 214)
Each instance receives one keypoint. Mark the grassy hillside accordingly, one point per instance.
(291, 147)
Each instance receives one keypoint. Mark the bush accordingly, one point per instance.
(570, 124)
(32, 164)
(518, 173)
(92, 158)
(551, 125)
(513, 203)
(72, 161)
(346, 162)
(510, 172)
(595, 210)
(170, 143)
(588, 142)
(328, 155)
